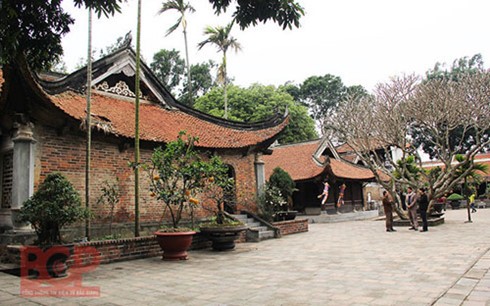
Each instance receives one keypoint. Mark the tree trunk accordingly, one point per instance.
(136, 129)
(189, 80)
(89, 127)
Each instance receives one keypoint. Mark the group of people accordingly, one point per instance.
(413, 202)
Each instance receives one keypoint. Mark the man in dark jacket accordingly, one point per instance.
(423, 205)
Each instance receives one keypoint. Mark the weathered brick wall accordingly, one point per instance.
(65, 153)
(292, 226)
(110, 250)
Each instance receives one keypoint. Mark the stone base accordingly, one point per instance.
(430, 221)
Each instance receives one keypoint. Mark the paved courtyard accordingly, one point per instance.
(349, 263)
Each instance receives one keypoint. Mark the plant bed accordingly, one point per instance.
(292, 226)
(431, 221)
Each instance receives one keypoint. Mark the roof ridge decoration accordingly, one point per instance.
(121, 88)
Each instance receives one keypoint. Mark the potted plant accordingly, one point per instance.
(455, 200)
(178, 173)
(54, 205)
(282, 181)
(221, 229)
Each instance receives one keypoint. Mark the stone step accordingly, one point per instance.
(262, 231)
(259, 228)
(266, 235)
(253, 224)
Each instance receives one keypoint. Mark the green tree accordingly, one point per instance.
(181, 8)
(283, 181)
(220, 37)
(460, 139)
(322, 95)
(55, 204)
(258, 103)
(202, 82)
(284, 12)
(35, 27)
(169, 68)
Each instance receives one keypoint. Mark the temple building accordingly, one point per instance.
(43, 130)
(312, 163)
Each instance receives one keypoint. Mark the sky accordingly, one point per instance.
(363, 42)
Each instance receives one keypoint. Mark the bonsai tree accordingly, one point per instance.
(217, 189)
(178, 174)
(54, 205)
(284, 183)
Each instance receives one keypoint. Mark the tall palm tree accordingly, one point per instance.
(182, 8)
(472, 174)
(89, 124)
(220, 37)
(137, 127)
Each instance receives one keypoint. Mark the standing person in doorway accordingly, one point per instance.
(387, 202)
(411, 203)
(423, 205)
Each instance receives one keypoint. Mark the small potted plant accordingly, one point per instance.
(178, 173)
(221, 229)
(54, 205)
(282, 181)
(455, 200)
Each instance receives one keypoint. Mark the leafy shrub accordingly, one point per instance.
(55, 204)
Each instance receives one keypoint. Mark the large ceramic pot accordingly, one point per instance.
(174, 245)
(223, 237)
(455, 204)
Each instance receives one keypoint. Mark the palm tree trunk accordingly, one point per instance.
(89, 127)
(136, 128)
(225, 83)
(189, 80)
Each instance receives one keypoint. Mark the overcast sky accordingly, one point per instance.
(363, 42)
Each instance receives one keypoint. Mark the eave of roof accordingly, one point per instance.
(158, 124)
(296, 159)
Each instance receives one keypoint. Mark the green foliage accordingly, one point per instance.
(286, 13)
(35, 28)
(258, 103)
(179, 6)
(55, 204)
(169, 68)
(283, 181)
(178, 173)
(407, 168)
(271, 201)
(455, 197)
(202, 82)
(322, 94)
(459, 67)
(460, 138)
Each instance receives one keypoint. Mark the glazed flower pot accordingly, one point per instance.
(174, 244)
(223, 237)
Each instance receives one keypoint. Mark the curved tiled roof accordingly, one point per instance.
(159, 124)
(295, 159)
(349, 171)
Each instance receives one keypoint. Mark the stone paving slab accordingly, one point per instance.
(348, 263)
